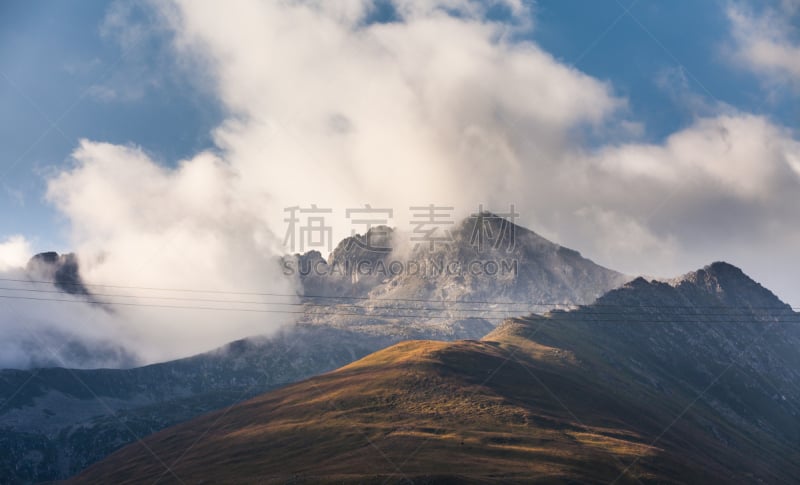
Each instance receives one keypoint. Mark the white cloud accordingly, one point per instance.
(726, 187)
(625, 243)
(766, 42)
(436, 107)
(36, 330)
(443, 108)
(136, 223)
(15, 252)
(433, 107)
(744, 155)
(69, 332)
(141, 68)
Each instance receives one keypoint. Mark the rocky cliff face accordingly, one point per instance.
(488, 269)
(485, 258)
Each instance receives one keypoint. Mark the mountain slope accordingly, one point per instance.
(54, 422)
(695, 380)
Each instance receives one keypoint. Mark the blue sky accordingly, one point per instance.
(657, 43)
(59, 68)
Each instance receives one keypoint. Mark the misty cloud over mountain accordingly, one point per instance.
(52, 318)
(518, 272)
(439, 102)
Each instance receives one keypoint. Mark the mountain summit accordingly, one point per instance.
(484, 257)
(61, 269)
(730, 285)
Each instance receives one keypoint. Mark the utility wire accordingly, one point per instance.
(585, 309)
(365, 298)
(580, 316)
(252, 302)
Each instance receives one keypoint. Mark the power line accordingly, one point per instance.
(284, 295)
(366, 298)
(533, 306)
(252, 310)
(579, 316)
(306, 304)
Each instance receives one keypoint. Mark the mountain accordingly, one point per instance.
(61, 269)
(486, 248)
(54, 422)
(488, 269)
(695, 380)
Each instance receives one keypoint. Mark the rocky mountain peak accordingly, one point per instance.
(730, 285)
(497, 229)
(62, 269)
(717, 272)
(375, 244)
(717, 284)
(488, 257)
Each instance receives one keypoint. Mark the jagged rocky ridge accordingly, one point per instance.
(526, 266)
(510, 264)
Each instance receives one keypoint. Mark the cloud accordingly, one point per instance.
(442, 105)
(715, 190)
(14, 253)
(39, 332)
(137, 224)
(766, 42)
(141, 67)
(435, 107)
(42, 333)
(744, 156)
(674, 82)
(439, 104)
(625, 242)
